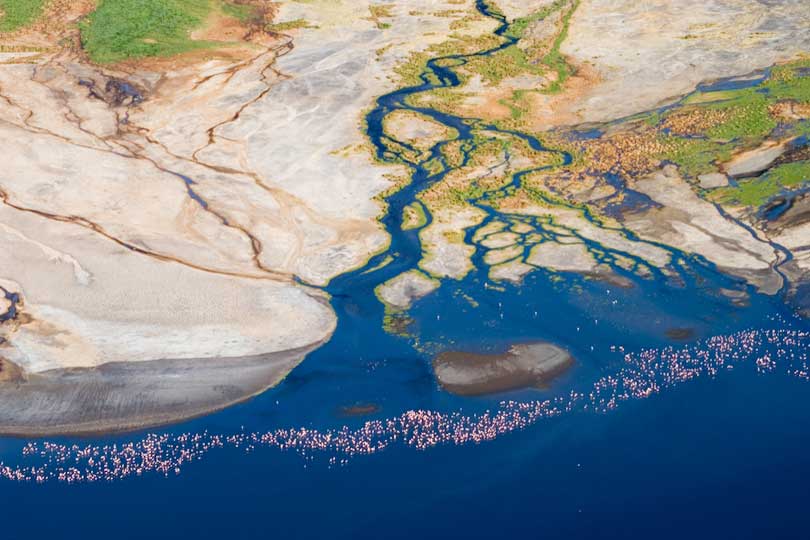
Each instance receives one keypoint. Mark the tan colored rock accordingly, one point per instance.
(713, 180)
(400, 292)
(755, 161)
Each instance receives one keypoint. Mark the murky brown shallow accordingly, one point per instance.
(523, 366)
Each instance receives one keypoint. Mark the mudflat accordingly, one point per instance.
(125, 396)
(522, 366)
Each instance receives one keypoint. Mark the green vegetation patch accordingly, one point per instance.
(286, 26)
(411, 70)
(791, 174)
(758, 191)
(752, 193)
(19, 13)
(749, 117)
(514, 60)
(413, 216)
(747, 120)
(509, 62)
(554, 59)
(790, 81)
(696, 156)
(122, 29)
(243, 12)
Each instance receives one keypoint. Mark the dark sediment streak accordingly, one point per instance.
(119, 397)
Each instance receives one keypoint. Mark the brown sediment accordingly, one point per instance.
(793, 154)
(695, 121)
(360, 409)
(612, 278)
(523, 366)
(627, 153)
(10, 372)
(798, 214)
(680, 334)
(561, 109)
(790, 110)
(545, 111)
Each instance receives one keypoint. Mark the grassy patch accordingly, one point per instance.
(695, 156)
(19, 13)
(554, 59)
(752, 193)
(413, 216)
(243, 12)
(123, 29)
(410, 71)
(509, 62)
(791, 174)
(747, 120)
(749, 117)
(758, 191)
(514, 61)
(790, 81)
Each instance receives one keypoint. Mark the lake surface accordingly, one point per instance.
(686, 414)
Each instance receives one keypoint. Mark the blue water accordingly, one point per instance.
(12, 299)
(718, 455)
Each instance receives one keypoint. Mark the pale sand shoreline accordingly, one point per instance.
(130, 396)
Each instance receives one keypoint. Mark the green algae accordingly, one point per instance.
(749, 117)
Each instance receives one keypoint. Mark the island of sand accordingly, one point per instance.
(525, 365)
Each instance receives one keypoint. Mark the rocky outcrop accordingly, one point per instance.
(755, 161)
